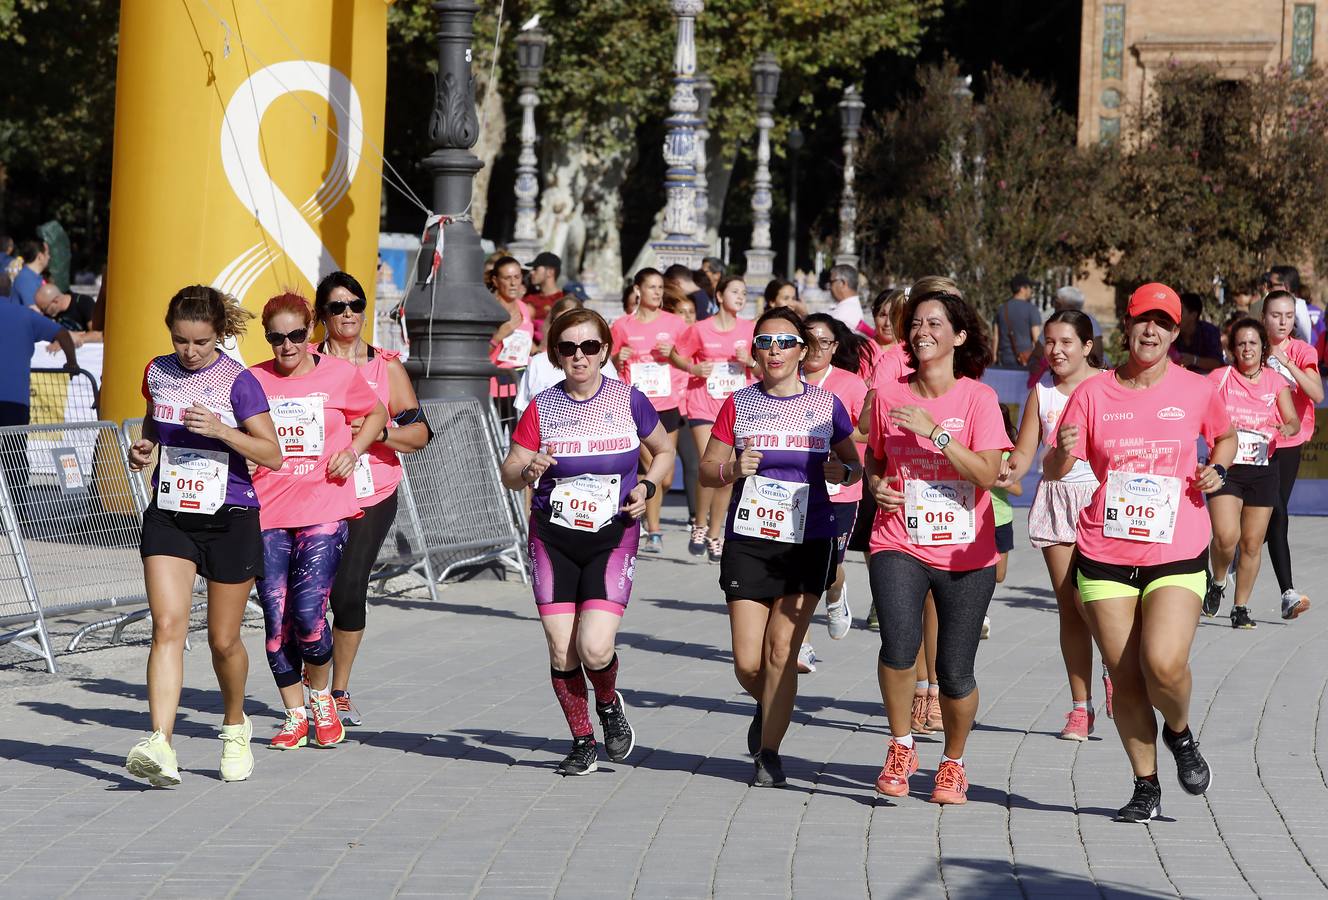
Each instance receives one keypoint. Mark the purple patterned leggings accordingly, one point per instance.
(300, 565)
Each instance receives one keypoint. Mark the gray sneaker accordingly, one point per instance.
(839, 617)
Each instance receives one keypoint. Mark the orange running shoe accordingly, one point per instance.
(934, 721)
(951, 784)
(293, 735)
(900, 763)
(920, 714)
(328, 730)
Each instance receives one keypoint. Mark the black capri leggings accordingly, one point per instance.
(899, 585)
(1286, 460)
(363, 541)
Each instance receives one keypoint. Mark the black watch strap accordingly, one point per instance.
(650, 488)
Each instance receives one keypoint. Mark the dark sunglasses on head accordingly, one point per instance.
(276, 338)
(782, 341)
(337, 307)
(588, 348)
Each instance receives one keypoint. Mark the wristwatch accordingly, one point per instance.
(942, 439)
(650, 488)
(1221, 471)
(848, 472)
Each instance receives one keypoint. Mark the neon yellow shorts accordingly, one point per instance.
(1101, 581)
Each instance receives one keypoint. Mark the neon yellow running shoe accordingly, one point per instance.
(154, 759)
(237, 760)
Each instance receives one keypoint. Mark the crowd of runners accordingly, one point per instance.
(807, 436)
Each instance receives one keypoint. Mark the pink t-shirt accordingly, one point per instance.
(970, 412)
(513, 351)
(301, 492)
(704, 342)
(1252, 405)
(1150, 432)
(629, 331)
(1302, 356)
(383, 460)
(851, 391)
(891, 366)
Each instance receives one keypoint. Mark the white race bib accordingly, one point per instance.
(725, 378)
(833, 487)
(299, 422)
(1251, 448)
(364, 483)
(516, 348)
(192, 480)
(940, 512)
(772, 509)
(584, 503)
(1141, 507)
(651, 378)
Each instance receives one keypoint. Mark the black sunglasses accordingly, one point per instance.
(337, 307)
(276, 338)
(568, 349)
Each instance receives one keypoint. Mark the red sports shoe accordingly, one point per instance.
(293, 735)
(328, 730)
(951, 784)
(900, 762)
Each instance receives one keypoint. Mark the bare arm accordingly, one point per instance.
(1287, 408)
(842, 467)
(1026, 444)
(401, 396)
(523, 467)
(715, 469)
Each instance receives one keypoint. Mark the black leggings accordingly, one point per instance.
(899, 585)
(363, 541)
(691, 461)
(1286, 461)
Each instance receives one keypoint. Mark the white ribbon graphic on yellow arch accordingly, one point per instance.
(291, 228)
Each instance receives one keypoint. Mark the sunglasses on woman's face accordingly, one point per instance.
(276, 338)
(337, 307)
(567, 349)
(782, 341)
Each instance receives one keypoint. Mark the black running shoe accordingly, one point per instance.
(769, 770)
(619, 738)
(754, 733)
(1240, 618)
(1191, 768)
(1213, 597)
(582, 759)
(1146, 803)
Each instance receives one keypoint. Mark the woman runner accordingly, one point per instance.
(511, 345)
(1053, 519)
(1298, 363)
(1142, 558)
(643, 342)
(577, 445)
(1259, 403)
(306, 507)
(208, 416)
(339, 304)
(684, 307)
(937, 437)
(716, 352)
(778, 556)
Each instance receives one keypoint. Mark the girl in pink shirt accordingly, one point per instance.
(717, 354)
(936, 442)
(305, 506)
(643, 341)
(514, 341)
(1298, 363)
(1142, 563)
(1259, 403)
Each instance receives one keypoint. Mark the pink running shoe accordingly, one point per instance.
(920, 714)
(328, 730)
(293, 735)
(1078, 725)
(900, 763)
(934, 720)
(951, 784)
(1106, 688)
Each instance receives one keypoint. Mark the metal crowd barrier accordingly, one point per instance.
(59, 395)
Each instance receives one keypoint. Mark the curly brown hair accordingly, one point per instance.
(972, 357)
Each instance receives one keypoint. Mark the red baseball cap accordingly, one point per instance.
(1154, 295)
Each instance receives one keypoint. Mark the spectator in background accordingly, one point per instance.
(1017, 327)
(1242, 298)
(1070, 297)
(6, 256)
(1198, 347)
(844, 290)
(72, 312)
(36, 256)
(20, 328)
(782, 292)
(684, 280)
(712, 270)
(544, 293)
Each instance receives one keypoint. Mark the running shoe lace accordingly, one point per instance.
(920, 710)
(236, 738)
(323, 708)
(698, 534)
(291, 725)
(342, 702)
(896, 761)
(615, 724)
(950, 776)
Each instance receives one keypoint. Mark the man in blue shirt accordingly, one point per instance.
(20, 328)
(36, 257)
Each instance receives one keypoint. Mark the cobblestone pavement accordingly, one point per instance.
(447, 789)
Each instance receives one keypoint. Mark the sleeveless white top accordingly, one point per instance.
(1051, 403)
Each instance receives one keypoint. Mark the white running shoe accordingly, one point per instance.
(839, 617)
(1294, 603)
(806, 659)
(986, 627)
(154, 759)
(237, 760)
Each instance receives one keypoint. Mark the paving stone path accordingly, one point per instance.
(447, 789)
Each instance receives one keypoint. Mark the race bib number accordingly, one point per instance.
(940, 512)
(299, 424)
(1251, 448)
(651, 379)
(584, 503)
(192, 480)
(516, 348)
(772, 509)
(725, 378)
(1141, 507)
(833, 487)
(364, 483)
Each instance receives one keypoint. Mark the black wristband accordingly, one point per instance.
(650, 488)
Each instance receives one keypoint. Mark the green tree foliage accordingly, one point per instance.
(1219, 179)
(979, 192)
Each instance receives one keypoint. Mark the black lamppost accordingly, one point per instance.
(795, 143)
(450, 315)
(850, 119)
(530, 46)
